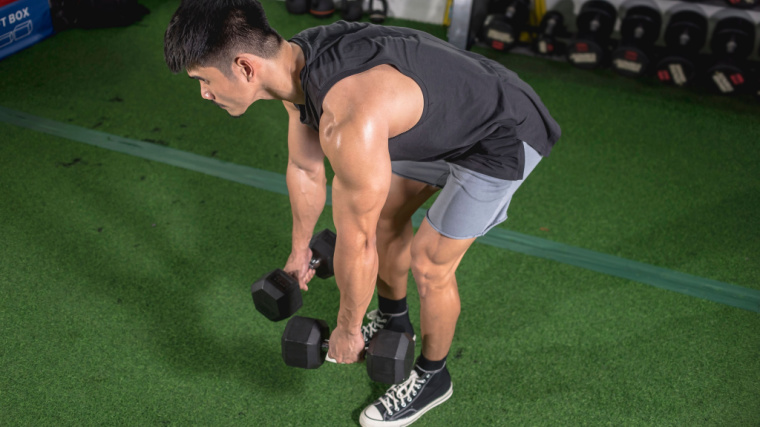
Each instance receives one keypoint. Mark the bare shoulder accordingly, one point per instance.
(381, 95)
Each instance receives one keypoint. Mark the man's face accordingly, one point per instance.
(229, 93)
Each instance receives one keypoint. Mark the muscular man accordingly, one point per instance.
(400, 115)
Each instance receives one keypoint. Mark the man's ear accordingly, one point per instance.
(246, 66)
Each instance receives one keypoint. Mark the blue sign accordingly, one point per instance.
(22, 24)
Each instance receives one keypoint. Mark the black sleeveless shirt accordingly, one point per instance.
(476, 112)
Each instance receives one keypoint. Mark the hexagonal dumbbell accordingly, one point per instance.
(685, 35)
(595, 23)
(277, 295)
(639, 31)
(389, 355)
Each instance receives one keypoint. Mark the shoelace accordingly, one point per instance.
(400, 395)
(376, 323)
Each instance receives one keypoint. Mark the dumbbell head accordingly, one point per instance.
(728, 78)
(322, 247)
(322, 8)
(303, 342)
(630, 61)
(352, 10)
(390, 357)
(587, 54)
(551, 26)
(595, 23)
(596, 19)
(686, 31)
(733, 37)
(502, 30)
(676, 70)
(685, 35)
(378, 15)
(639, 30)
(297, 7)
(499, 33)
(276, 295)
(641, 26)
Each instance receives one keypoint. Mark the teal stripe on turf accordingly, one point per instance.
(242, 174)
(700, 287)
(712, 290)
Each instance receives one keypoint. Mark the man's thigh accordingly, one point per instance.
(470, 203)
(404, 198)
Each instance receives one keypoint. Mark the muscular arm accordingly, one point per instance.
(306, 183)
(354, 137)
(359, 115)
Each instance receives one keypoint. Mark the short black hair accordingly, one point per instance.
(211, 32)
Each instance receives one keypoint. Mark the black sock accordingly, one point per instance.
(429, 365)
(389, 306)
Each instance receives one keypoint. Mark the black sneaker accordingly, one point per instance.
(398, 322)
(404, 403)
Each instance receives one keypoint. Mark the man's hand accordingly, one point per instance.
(298, 267)
(345, 346)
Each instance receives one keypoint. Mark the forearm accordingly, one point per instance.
(355, 266)
(307, 192)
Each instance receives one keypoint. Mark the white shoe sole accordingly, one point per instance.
(367, 422)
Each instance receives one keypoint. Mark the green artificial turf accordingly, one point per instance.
(124, 283)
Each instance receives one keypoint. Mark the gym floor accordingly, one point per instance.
(135, 216)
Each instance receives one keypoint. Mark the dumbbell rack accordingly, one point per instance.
(710, 8)
(713, 10)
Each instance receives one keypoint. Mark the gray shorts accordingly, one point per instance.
(470, 203)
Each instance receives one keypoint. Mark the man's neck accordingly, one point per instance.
(295, 62)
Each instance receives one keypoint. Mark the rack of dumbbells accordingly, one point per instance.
(709, 44)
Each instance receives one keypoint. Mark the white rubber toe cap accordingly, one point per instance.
(370, 415)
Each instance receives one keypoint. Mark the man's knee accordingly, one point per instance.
(429, 275)
(435, 259)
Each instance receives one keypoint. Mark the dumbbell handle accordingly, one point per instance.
(313, 265)
(326, 345)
